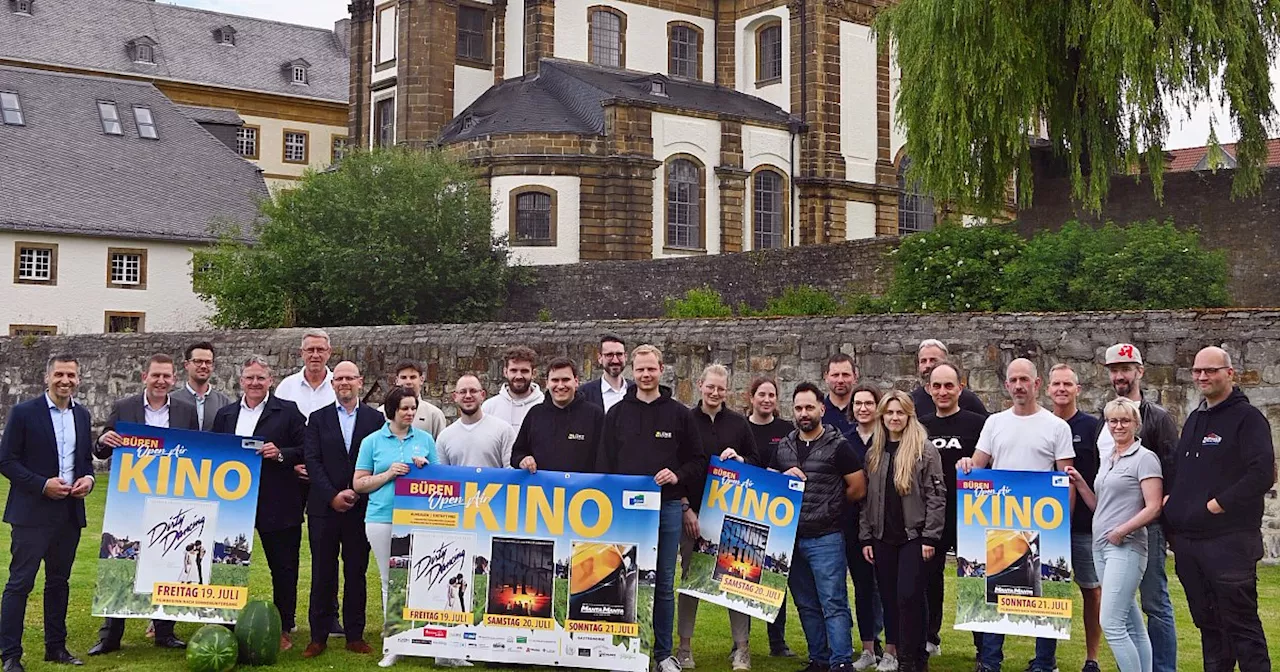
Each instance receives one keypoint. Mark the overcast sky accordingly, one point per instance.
(1190, 131)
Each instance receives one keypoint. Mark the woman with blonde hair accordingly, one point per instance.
(902, 524)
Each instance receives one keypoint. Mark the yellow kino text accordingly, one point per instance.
(186, 474)
(997, 511)
(750, 503)
(537, 506)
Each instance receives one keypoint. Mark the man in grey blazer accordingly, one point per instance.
(197, 391)
(155, 407)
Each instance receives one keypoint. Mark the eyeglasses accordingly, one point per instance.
(1119, 422)
(614, 355)
(201, 362)
(1208, 370)
(865, 404)
(468, 393)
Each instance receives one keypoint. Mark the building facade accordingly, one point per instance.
(650, 128)
(108, 186)
(287, 83)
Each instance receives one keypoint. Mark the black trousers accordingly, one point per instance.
(330, 537)
(935, 592)
(866, 598)
(282, 548)
(900, 575)
(112, 630)
(1220, 576)
(28, 547)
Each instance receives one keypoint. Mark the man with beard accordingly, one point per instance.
(1025, 437)
(335, 513)
(198, 361)
(1064, 390)
(564, 432)
(476, 439)
(841, 375)
(1159, 435)
(519, 393)
(430, 418)
(649, 433)
(833, 475)
(954, 431)
(931, 353)
(611, 386)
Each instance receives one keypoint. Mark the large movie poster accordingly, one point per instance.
(1013, 554)
(504, 566)
(747, 534)
(177, 533)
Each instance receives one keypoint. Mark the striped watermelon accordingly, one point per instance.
(212, 649)
(258, 633)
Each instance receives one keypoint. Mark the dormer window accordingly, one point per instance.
(22, 6)
(225, 35)
(142, 50)
(298, 71)
(658, 87)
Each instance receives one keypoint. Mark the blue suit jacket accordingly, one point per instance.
(29, 458)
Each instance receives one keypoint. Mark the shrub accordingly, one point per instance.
(698, 302)
(802, 300)
(953, 268)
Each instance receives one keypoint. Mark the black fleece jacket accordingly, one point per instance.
(727, 430)
(643, 438)
(561, 439)
(1225, 453)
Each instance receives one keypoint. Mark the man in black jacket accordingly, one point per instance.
(46, 453)
(564, 432)
(280, 425)
(610, 387)
(649, 433)
(1225, 467)
(335, 513)
(155, 407)
(929, 354)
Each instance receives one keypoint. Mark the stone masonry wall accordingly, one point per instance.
(792, 349)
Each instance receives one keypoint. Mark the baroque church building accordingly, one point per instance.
(650, 128)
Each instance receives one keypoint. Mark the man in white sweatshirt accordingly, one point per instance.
(519, 393)
(475, 439)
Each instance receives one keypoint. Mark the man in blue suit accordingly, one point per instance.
(47, 455)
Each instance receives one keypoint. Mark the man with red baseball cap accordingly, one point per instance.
(1160, 435)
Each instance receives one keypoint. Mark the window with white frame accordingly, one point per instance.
(386, 47)
(247, 141)
(11, 109)
(146, 123)
(299, 74)
(769, 53)
(295, 147)
(126, 268)
(35, 264)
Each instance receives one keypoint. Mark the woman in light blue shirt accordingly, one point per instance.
(385, 456)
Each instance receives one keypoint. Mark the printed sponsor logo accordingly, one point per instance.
(585, 653)
(468, 635)
(1211, 439)
(1060, 481)
(644, 501)
(576, 437)
(662, 435)
(435, 632)
(797, 485)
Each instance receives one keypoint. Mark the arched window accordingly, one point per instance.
(607, 37)
(915, 209)
(685, 221)
(684, 50)
(769, 53)
(533, 216)
(768, 210)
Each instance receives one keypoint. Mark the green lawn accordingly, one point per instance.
(710, 650)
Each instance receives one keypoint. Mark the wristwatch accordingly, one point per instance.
(684, 506)
(280, 457)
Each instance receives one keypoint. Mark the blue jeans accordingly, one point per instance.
(670, 522)
(1157, 606)
(819, 591)
(1121, 569)
(991, 653)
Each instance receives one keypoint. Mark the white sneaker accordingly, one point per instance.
(452, 662)
(933, 649)
(685, 658)
(888, 663)
(388, 660)
(740, 660)
(670, 665)
(866, 661)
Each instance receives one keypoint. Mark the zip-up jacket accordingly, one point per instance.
(561, 439)
(822, 507)
(727, 430)
(643, 438)
(1226, 453)
(924, 509)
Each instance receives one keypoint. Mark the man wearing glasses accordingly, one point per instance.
(1159, 435)
(475, 439)
(198, 390)
(611, 387)
(1226, 466)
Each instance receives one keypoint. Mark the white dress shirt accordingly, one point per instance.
(610, 395)
(309, 399)
(248, 420)
(155, 418)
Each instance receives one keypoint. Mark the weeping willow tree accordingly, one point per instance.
(981, 77)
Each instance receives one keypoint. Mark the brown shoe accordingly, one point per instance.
(285, 642)
(313, 649)
(359, 646)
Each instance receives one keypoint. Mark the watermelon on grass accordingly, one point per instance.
(258, 633)
(212, 649)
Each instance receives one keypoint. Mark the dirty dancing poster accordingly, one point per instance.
(1013, 554)
(747, 533)
(504, 566)
(178, 528)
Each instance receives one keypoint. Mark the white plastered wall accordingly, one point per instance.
(745, 68)
(646, 41)
(858, 118)
(568, 209)
(859, 220)
(700, 138)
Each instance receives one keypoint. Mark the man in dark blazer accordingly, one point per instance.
(335, 513)
(197, 389)
(46, 453)
(281, 426)
(155, 407)
(610, 387)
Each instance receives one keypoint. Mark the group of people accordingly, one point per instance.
(880, 468)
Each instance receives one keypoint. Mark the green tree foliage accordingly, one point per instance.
(953, 269)
(981, 76)
(698, 302)
(387, 237)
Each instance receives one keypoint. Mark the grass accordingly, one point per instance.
(711, 648)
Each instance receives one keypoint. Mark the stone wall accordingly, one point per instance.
(792, 349)
(637, 289)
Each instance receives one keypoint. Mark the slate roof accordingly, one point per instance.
(211, 115)
(567, 97)
(61, 174)
(1190, 158)
(91, 34)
